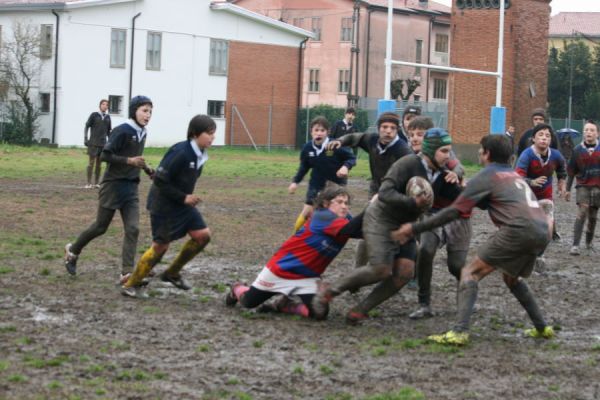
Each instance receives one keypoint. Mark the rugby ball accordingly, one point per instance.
(418, 186)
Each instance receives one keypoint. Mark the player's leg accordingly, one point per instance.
(247, 296)
(130, 214)
(591, 227)
(428, 245)
(304, 215)
(90, 167)
(197, 242)
(361, 257)
(132, 282)
(582, 214)
(97, 228)
(97, 170)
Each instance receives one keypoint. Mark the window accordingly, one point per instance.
(219, 50)
(313, 82)
(346, 35)
(441, 43)
(153, 45)
(299, 22)
(46, 32)
(216, 108)
(439, 89)
(44, 102)
(344, 81)
(115, 104)
(418, 55)
(117, 48)
(316, 28)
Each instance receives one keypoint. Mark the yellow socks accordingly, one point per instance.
(143, 267)
(189, 250)
(299, 222)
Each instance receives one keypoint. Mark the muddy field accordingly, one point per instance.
(78, 338)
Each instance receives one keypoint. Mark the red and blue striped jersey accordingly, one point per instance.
(310, 250)
(531, 166)
(585, 165)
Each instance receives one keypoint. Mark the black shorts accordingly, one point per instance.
(94, 151)
(167, 228)
(311, 195)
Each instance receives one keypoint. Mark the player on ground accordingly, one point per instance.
(391, 264)
(523, 228)
(119, 189)
(99, 125)
(584, 165)
(536, 165)
(172, 205)
(326, 165)
(296, 267)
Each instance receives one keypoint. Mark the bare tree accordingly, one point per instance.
(397, 88)
(20, 67)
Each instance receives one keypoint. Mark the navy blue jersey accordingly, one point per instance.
(324, 164)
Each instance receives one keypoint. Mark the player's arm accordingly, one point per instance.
(110, 152)
(456, 171)
(561, 175)
(353, 228)
(572, 170)
(352, 140)
(170, 167)
(349, 161)
(303, 169)
(389, 191)
(87, 127)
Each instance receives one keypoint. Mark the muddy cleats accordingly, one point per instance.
(324, 296)
(230, 298)
(136, 292)
(176, 281)
(276, 305)
(556, 237)
(422, 312)
(451, 337)
(412, 284)
(70, 260)
(574, 251)
(355, 317)
(540, 265)
(546, 333)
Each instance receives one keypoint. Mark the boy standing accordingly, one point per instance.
(538, 116)
(99, 125)
(172, 206)
(585, 166)
(408, 114)
(523, 228)
(119, 189)
(326, 165)
(344, 126)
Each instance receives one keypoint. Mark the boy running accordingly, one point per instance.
(99, 125)
(585, 166)
(326, 165)
(119, 189)
(523, 228)
(389, 263)
(295, 268)
(172, 205)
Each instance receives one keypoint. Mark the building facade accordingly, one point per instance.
(569, 26)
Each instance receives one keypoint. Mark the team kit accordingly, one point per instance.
(419, 201)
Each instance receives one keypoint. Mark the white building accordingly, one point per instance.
(178, 57)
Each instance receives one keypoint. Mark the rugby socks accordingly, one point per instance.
(578, 230)
(380, 293)
(591, 228)
(148, 260)
(467, 295)
(239, 290)
(189, 250)
(89, 174)
(523, 294)
(299, 222)
(296, 309)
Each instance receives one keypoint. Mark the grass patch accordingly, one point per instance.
(6, 270)
(233, 381)
(8, 328)
(406, 393)
(596, 347)
(242, 396)
(55, 385)
(326, 370)
(17, 378)
(298, 370)
(258, 344)
(203, 348)
(4, 364)
(442, 348)
(151, 310)
(220, 287)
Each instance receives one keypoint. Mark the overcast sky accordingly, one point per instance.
(561, 5)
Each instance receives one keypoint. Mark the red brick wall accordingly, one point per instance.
(260, 75)
(475, 46)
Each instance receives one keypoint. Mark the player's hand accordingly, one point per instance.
(86, 143)
(539, 182)
(402, 234)
(423, 200)
(451, 177)
(334, 144)
(342, 172)
(562, 188)
(138, 161)
(191, 200)
(149, 171)
(292, 188)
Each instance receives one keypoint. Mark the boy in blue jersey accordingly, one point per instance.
(295, 268)
(172, 205)
(119, 188)
(326, 165)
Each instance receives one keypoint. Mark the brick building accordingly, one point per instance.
(475, 46)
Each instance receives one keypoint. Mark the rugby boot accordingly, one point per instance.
(412, 284)
(424, 311)
(70, 260)
(231, 298)
(546, 333)
(574, 251)
(276, 304)
(123, 278)
(451, 337)
(355, 317)
(322, 298)
(136, 292)
(176, 281)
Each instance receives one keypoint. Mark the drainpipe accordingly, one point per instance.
(131, 58)
(431, 20)
(357, 53)
(55, 76)
(300, 65)
(368, 53)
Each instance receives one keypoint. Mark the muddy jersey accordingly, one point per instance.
(585, 166)
(504, 193)
(310, 250)
(531, 166)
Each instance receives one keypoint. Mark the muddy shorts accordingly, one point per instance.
(167, 228)
(380, 246)
(94, 151)
(115, 195)
(270, 282)
(588, 195)
(456, 235)
(513, 251)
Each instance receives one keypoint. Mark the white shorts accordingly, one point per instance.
(269, 282)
